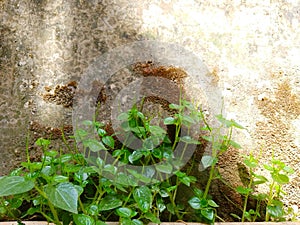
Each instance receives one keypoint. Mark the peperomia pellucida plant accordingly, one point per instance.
(84, 187)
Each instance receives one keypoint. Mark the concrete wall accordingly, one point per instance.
(251, 48)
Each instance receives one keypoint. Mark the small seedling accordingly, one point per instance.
(279, 174)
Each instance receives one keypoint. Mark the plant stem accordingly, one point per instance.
(257, 210)
(82, 206)
(64, 140)
(27, 150)
(270, 197)
(210, 178)
(212, 170)
(51, 206)
(247, 196)
(10, 213)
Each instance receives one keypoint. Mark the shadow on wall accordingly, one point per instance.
(44, 48)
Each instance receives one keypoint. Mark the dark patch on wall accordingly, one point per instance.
(62, 94)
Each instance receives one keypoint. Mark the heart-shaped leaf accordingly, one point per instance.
(81, 219)
(109, 202)
(64, 196)
(14, 185)
(143, 197)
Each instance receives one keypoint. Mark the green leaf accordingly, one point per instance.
(171, 208)
(172, 188)
(235, 145)
(140, 115)
(148, 143)
(136, 155)
(187, 120)
(109, 202)
(228, 123)
(160, 204)
(136, 222)
(139, 176)
(268, 167)
(51, 153)
(92, 210)
(251, 163)
(124, 212)
(80, 133)
(195, 203)
(100, 223)
(199, 193)
(275, 211)
(31, 211)
(175, 106)
(163, 193)
(261, 197)
(207, 138)
(207, 161)
(170, 121)
(208, 214)
(152, 218)
(101, 132)
(164, 168)
(188, 105)
(3, 211)
(15, 202)
(244, 190)
(212, 203)
(110, 168)
(259, 179)
(81, 219)
(123, 116)
(157, 153)
(109, 141)
(143, 197)
(247, 216)
(94, 145)
(235, 216)
(288, 170)
(87, 123)
(14, 185)
(187, 180)
(60, 178)
(64, 196)
(280, 178)
(157, 130)
(69, 168)
(125, 180)
(125, 221)
(189, 140)
(42, 142)
(66, 158)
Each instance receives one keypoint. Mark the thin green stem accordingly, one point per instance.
(10, 213)
(212, 169)
(51, 206)
(127, 199)
(270, 197)
(27, 150)
(257, 210)
(247, 196)
(65, 140)
(82, 206)
(210, 178)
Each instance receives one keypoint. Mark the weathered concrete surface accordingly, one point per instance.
(252, 49)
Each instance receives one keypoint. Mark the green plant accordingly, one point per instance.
(203, 204)
(279, 174)
(97, 185)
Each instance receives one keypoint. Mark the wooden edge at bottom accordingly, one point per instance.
(165, 223)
